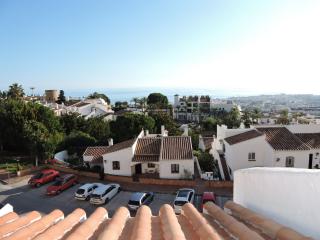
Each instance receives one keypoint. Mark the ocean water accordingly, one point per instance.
(126, 94)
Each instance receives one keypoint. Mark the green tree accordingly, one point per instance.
(167, 121)
(72, 121)
(98, 128)
(15, 91)
(120, 106)
(99, 95)
(61, 97)
(256, 115)
(135, 100)
(3, 94)
(207, 162)
(129, 125)
(233, 119)
(209, 124)
(76, 143)
(157, 100)
(284, 117)
(246, 118)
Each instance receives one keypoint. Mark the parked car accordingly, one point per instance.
(62, 183)
(207, 197)
(104, 193)
(140, 198)
(84, 192)
(43, 177)
(184, 195)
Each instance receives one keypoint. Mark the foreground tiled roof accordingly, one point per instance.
(280, 138)
(312, 140)
(243, 137)
(152, 149)
(213, 224)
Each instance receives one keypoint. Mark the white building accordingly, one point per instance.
(295, 146)
(158, 156)
(288, 196)
(195, 108)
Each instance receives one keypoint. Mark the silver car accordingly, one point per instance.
(140, 198)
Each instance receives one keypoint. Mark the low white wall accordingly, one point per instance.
(124, 156)
(288, 196)
(62, 156)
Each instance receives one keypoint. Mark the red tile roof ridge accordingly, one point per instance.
(116, 225)
(171, 229)
(269, 227)
(235, 228)
(89, 226)
(142, 224)
(37, 227)
(9, 228)
(61, 228)
(200, 225)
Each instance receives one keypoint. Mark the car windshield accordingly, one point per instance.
(180, 203)
(135, 203)
(38, 176)
(58, 183)
(183, 193)
(95, 196)
(80, 191)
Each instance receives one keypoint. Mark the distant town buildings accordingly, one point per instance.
(196, 108)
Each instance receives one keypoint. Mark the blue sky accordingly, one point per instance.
(256, 46)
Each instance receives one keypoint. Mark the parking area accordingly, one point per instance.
(25, 199)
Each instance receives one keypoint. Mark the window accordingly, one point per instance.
(151, 165)
(116, 165)
(174, 168)
(252, 156)
(289, 161)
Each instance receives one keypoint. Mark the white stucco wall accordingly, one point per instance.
(237, 154)
(301, 158)
(146, 169)
(165, 168)
(289, 196)
(124, 156)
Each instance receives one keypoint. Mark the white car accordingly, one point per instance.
(184, 195)
(104, 193)
(84, 192)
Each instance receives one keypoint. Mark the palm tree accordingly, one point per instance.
(143, 103)
(135, 100)
(15, 91)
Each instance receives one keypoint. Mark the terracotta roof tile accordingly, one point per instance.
(312, 140)
(37, 227)
(95, 151)
(243, 137)
(176, 148)
(61, 228)
(120, 146)
(116, 225)
(9, 228)
(88, 228)
(9, 217)
(280, 138)
(147, 149)
(236, 222)
(208, 142)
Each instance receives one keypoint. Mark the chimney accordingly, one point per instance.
(162, 130)
(185, 131)
(147, 133)
(110, 141)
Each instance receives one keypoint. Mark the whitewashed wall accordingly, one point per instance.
(301, 158)
(237, 154)
(289, 196)
(124, 156)
(165, 168)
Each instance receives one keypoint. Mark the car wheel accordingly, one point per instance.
(87, 198)
(106, 201)
(38, 185)
(119, 189)
(58, 192)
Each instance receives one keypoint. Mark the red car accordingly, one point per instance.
(62, 183)
(43, 177)
(207, 197)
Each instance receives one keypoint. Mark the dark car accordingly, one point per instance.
(43, 177)
(62, 183)
(140, 198)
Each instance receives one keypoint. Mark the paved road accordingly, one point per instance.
(25, 199)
